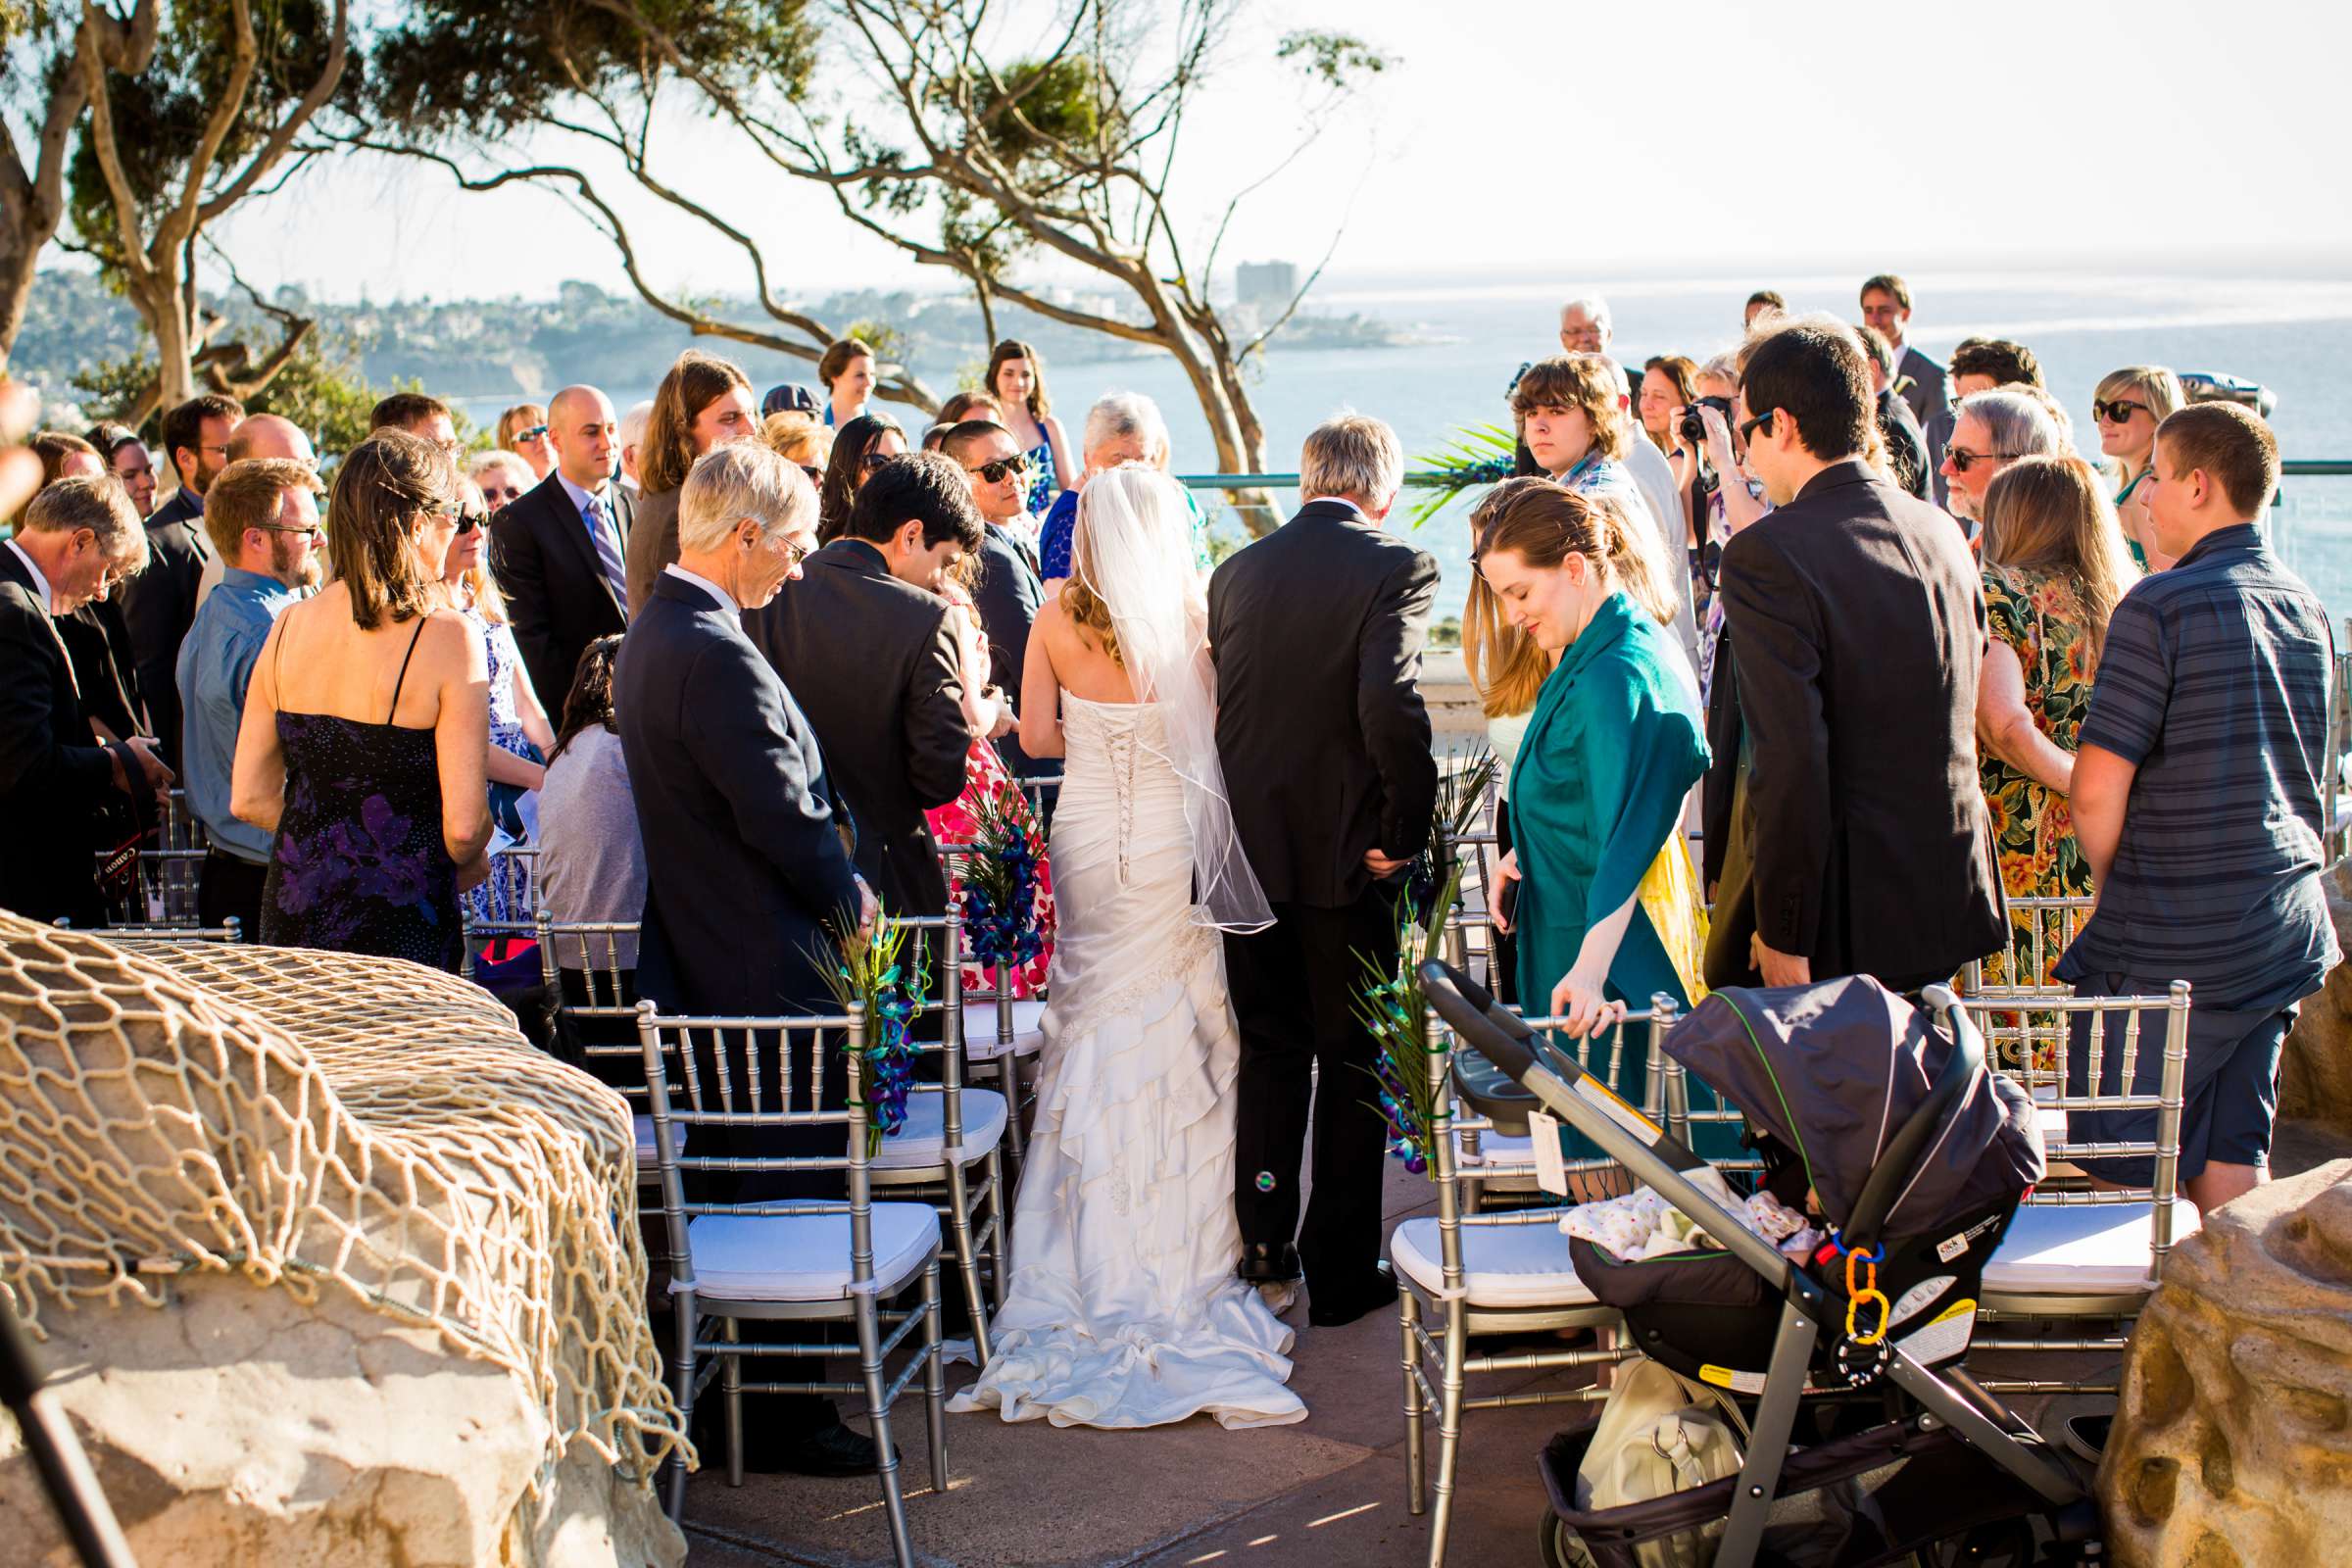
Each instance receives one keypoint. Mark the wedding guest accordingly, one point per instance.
(1607, 908)
(1669, 381)
(1856, 839)
(632, 443)
(848, 373)
(1989, 431)
(2055, 567)
(1906, 444)
(1016, 379)
(968, 405)
(420, 415)
(363, 743)
(160, 604)
(1005, 590)
(1918, 380)
(523, 430)
(519, 735)
(1587, 327)
(702, 403)
(559, 551)
(262, 518)
(1761, 302)
(748, 882)
(96, 636)
(126, 455)
(2128, 406)
(503, 477)
(789, 397)
(865, 641)
(1980, 363)
(859, 447)
(257, 436)
(1572, 418)
(1121, 427)
(797, 438)
(1506, 669)
(591, 864)
(2202, 752)
(1719, 498)
(76, 541)
(1316, 633)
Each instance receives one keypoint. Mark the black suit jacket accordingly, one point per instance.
(1859, 837)
(744, 857)
(51, 767)
(159, 606)
(1316, 632)
(1008, 594)
(873, 661)
(559, 600)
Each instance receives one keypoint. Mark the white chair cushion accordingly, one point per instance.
(1516, 1149)
(647, 1152)
(922, 1142)
(2054, 1249)
(1502, 1265)
(980, 1042)
(804, 1258)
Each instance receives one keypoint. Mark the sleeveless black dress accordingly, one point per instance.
(359, 865)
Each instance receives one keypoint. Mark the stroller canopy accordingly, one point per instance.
(1834, 1070)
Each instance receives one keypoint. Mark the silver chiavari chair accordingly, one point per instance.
(1002, 1033)
(792, 1260)
(590, 970)
(229, 930)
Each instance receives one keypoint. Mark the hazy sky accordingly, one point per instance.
(1689, 135)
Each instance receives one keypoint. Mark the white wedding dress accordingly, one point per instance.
(1124, 1310)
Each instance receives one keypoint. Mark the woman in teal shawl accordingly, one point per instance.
(1607, 912)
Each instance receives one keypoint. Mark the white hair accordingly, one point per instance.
(730, 483)
(1591, 305)
(499, 458)
(1118, 415)
(2016, 423)
(1353, 456)
(632, 424)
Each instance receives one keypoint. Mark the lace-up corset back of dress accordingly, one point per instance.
(1115, 771)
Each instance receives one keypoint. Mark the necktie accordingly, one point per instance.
(607, 549)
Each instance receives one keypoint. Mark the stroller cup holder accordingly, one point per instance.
(1774, 1330)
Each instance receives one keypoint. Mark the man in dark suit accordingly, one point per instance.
(864, 640)
(1918, 379)
(1005, 589)
(559, 552)
(159, 604)
(1316, 631)
(748, 879)
(1857, 840)
(1906, 444)
(77, 538)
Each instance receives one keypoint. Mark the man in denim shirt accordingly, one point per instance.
(2197, 798)
(262, 514)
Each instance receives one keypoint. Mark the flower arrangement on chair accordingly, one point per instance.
(1000, 882)
(874, 976)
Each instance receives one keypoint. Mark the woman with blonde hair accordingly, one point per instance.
(362, 747)
(799, 440)
(522, 430)
(2126, 407)
(2055, 567)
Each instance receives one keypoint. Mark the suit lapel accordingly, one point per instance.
(570, 522)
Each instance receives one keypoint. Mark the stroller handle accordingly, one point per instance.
(1892, 1175)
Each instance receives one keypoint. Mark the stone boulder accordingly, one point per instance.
(2314, 1069)
(236, 1425)
(2232, 1446)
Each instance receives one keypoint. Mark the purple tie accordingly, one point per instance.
(607, 549)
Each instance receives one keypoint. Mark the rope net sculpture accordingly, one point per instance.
(319, 1120)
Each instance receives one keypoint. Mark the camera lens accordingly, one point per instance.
(1694, 430)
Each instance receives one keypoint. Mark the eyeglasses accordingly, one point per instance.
(1749, 428)
(1964, 460)
(534, 433)
(2119, 412)
(314, 530)
(996, 471)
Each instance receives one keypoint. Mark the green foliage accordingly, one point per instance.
(889, 343)
(1334, 59)
(1041, 102)
(103, 385)
(1478, 456)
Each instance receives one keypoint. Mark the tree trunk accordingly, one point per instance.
(161, 300)
(21, 242)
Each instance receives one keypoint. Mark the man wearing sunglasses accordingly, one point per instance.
(560, 551)
(1856, 839)
(1006, 588)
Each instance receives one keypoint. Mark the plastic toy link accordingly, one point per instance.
(1867, 1291)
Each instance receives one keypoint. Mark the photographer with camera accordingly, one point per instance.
(1712, 509)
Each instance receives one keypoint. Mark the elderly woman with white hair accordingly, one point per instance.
(1989, 431)
(503, 477)
(1122, 427)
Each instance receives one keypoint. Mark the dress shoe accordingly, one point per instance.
(1270, 1264)
(1332, 1308)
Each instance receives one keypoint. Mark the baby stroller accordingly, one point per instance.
(1916, 1158)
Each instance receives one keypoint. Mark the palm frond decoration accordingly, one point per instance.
(1477, 456)
(1392, 1011)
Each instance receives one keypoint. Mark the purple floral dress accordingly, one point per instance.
(359, 865)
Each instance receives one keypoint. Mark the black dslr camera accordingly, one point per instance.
(1694, 429)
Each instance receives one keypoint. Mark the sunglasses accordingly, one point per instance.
(1964, 460)
(2119, 412)
(1002, 467)
(498, 493)
(467, 522)
(1749, 428)
(534, 433)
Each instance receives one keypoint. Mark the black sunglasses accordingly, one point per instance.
(1964, 460)
(2119, 412)
(467, 522)
(494, 493)
(994, 472)
(1749, 428)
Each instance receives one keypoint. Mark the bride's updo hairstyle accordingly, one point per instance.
(1544, 522)
(1081, 598)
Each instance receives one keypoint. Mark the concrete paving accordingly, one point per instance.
(1329, 1491)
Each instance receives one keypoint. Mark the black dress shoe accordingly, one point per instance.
(1333, 1308)
(1267, 1263)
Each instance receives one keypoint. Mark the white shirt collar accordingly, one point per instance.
(40, 578)
(1338, 501)
(726, 600)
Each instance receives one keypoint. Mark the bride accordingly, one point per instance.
(1124, 1310)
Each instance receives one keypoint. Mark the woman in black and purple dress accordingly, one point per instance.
(363, 746)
